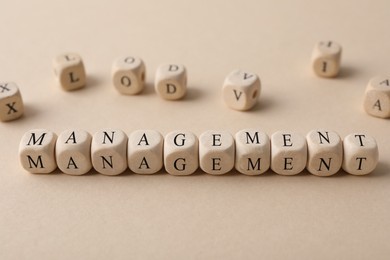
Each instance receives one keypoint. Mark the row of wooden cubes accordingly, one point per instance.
(250, 151)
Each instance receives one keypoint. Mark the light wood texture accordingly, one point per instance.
(69, 71)
(171, 81)
(325, 152)
(11, 103)
(326, 59)
(109, 151)
(288, 153)
(377, 97)
(253, 152)
(145, 151)
(181, 155)
(128, 75)
(241, 90)
(37, 151)
(360, 154)
(73, 152)
(216, 152)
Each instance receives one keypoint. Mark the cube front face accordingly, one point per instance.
(171, 81)
(11, 103)
(181, 153)
(252, 152)
(37, 151)
(73, 152)
(216, 152)
(325, 152)
(128, 75)
(288, 152)
(241, 90)
(326, 59)
(69, 71)
(145, 151)
(360, 154)
(377, 97)
(109, 151)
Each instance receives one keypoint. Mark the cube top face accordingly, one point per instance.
(252, 138)
(128, 63)
(329, 47)
(167, 71)
(323, 139)
(67, 60)
(181, 140)
(145, 140)
(242, 78)
(37, 138)
(220, 140)
(380, 83)
(289, 153)
(37, 151)
(73, 152)
(325, 152)
(8, 89)
(241, 90)
(109, 139)
(361, 154)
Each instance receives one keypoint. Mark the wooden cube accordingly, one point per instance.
(326, 59)
(325, 152)
(181, 155)
(360, 154)
(253, 152)
(11, 103)
(216, 152)
(128, 75)
(109, 151)
(288, 152)
(73, 152)
(241, 90)
(145, 151)
(37, 151)
(69, 71)
(377, 97)
(171, 81)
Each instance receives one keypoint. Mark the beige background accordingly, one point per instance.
(201, 216)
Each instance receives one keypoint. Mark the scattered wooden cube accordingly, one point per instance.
(73, 152)
(145, 151)
(69, 71)
(216, 152)
(109, 151)
(325, 152)
(37, 151)
(128, 75)
(377, 97)
(360, 154)
(181, 153)
(288, 153)
(253, 152)
(326, 59)
(171, 81)
(11, 103)
(241, 90)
